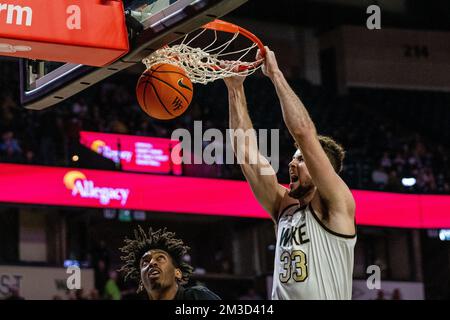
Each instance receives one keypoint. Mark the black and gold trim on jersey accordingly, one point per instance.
(346, 236)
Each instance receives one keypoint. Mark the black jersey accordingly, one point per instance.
(195, 293)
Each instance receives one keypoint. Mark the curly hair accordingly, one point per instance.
(143, 242)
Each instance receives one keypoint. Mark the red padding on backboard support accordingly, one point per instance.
(87, 32)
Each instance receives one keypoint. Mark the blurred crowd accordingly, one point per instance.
(383, 153)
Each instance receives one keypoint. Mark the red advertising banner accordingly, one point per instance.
(90, 32)
(135, 153)
(109, 189)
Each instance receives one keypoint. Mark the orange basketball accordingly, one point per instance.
(164, 91)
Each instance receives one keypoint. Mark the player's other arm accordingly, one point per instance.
(331, 187)
(256, 168)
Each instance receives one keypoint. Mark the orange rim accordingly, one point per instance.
(223, 26)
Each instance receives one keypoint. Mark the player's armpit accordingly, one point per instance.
(343, 224)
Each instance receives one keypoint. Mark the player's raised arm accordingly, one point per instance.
(256, 168)
(331, 187)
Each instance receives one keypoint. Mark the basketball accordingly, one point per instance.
(164, 91)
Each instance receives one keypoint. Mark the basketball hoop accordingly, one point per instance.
(209, 63)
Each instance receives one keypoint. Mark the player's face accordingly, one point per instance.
(158, 272)
(300, 180)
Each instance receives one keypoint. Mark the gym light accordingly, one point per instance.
(408, 182)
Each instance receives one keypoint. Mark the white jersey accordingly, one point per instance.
(311, 261)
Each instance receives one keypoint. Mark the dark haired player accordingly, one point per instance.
(156, 259)
(315, 216)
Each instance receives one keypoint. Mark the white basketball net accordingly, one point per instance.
(204, 65)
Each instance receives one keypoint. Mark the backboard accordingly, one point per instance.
(151, 24)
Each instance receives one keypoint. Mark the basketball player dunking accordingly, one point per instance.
(315, 216)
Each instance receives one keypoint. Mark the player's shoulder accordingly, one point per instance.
(196, 293)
